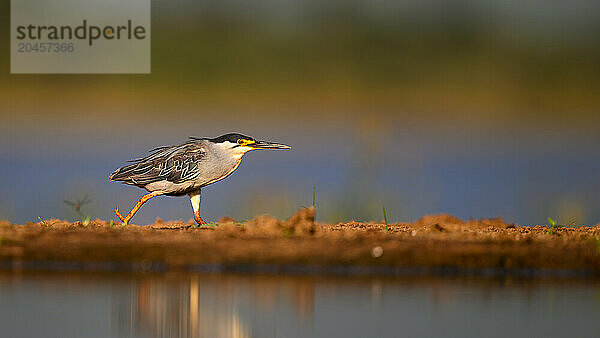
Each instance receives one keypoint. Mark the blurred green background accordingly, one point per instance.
(475, 108)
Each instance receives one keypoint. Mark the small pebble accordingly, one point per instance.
(377, 252)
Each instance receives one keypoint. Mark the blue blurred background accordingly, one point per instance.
(474, 108)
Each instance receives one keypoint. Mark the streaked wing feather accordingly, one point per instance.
(175, 164)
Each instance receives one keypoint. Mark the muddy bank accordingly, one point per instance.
(439, 241)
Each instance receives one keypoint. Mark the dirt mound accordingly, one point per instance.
(300, 224)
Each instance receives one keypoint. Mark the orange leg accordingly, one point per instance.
(139, 204)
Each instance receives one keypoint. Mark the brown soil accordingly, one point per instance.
(432, 242)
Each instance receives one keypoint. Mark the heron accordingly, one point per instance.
(184, 169)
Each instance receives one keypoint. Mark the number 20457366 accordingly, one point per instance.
(46, 47)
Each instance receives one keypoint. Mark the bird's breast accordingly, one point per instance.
(220, 170)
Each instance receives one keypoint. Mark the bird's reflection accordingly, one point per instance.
(215, 306)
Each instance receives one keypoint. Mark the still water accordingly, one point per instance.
(249, 305)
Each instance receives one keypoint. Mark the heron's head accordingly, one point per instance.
(239, 144)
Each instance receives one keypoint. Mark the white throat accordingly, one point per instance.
(240, 152)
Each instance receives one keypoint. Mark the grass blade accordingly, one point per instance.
(385, 217)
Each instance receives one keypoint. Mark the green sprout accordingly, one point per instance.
(46, 224)
(111, 223)
(85, 220)
(387, 228)
(552, 226)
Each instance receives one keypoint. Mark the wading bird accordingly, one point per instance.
(185, 168)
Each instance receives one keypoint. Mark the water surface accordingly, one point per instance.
(249, 305)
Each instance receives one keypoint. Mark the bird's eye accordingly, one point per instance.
(244, 142)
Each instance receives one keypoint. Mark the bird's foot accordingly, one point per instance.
(123, 219)
(199, 219)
